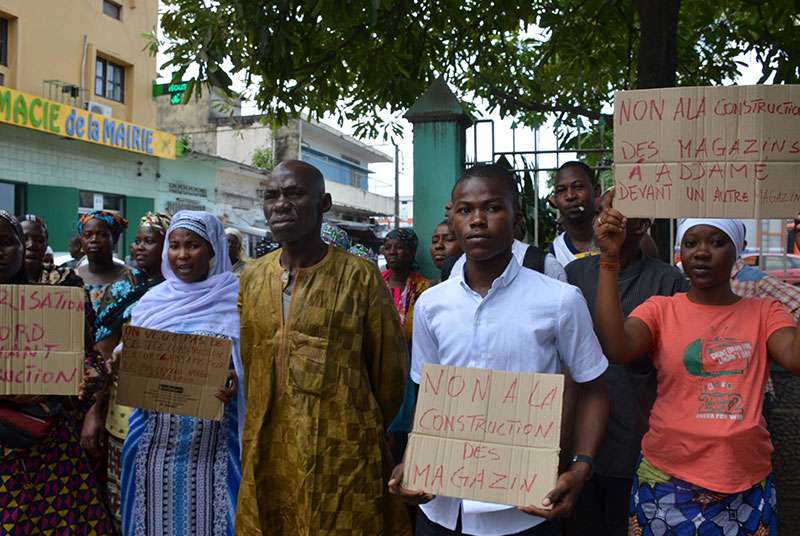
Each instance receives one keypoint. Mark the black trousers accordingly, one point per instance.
(426, 527)
(602, 508)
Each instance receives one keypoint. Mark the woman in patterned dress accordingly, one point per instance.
(404, 284)
(99, 231)
(48, 487)
(180, 475)
(113, 312)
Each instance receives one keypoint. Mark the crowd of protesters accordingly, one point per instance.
(667, 369)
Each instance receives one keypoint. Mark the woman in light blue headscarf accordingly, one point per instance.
(180, 475)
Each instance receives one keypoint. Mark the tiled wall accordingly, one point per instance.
(33, 157)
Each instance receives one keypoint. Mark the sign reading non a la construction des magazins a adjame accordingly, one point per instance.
(29, 111)
(708, 152)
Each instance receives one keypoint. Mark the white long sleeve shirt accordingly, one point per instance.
(527, 322)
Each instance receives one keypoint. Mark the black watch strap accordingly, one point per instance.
(585, 459)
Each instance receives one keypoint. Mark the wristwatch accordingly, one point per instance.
(588, 460)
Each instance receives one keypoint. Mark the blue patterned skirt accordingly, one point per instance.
(664, 505)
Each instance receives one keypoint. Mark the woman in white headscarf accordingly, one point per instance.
(180, 475)
(706, 464)
(236, 251)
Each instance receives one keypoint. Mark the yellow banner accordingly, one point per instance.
(29, 111)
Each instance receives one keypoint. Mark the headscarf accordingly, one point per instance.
(157, 220)
(408, 237)
(116, 306)
(33, 218)
(115, 222)
(14, 223)
(208, 305)
(233, 231)
(333, 235)
(405, 235)
(734, 229)
(21, 277)
(360, 250)
(204, 306)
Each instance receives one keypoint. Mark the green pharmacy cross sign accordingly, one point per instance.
(175, 91)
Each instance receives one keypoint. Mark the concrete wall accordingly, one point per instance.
(33, 157)
(239, 144)
(46, 42)
(239, 197)
(287, 142)
(196, 122)
(55, 169)
(438, 162)
(187, 183)
(350, 197)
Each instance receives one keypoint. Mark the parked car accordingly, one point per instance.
(61, 258)
(774, 266)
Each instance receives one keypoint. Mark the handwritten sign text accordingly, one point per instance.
(41, 339)
(485, 435)
(173, 372)
(708, 152)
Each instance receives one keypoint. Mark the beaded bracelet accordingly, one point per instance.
(609, 266)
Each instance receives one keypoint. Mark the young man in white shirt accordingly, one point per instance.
(495, 315)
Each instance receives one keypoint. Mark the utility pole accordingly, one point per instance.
(396, 186)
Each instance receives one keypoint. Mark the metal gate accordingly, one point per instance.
(525, 160)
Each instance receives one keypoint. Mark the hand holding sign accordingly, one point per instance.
(226, 393)
(561, 501)
(609, 227)
(406, 495)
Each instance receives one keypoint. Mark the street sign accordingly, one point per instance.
(175, 90)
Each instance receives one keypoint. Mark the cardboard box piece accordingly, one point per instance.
(173, 372)
(486, 435)
(41, 339)
(719, 152)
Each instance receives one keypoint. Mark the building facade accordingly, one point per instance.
(82, 52)
(77, 120)
(211, 124)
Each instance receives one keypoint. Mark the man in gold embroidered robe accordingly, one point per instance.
(324, 360)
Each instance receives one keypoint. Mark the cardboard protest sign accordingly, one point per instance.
(173, 372)
(722, 152)
(486, 435)
(41, 339)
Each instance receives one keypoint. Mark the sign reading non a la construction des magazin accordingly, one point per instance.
(485, 435)
(720, 152)
(29, 111)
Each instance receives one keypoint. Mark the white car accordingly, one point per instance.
(61, 258)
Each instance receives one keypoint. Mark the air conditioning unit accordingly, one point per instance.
(97, 108)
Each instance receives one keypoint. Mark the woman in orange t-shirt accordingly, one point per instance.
(706, 458)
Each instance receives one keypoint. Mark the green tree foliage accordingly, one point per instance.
(263, 159)
(358, 59)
